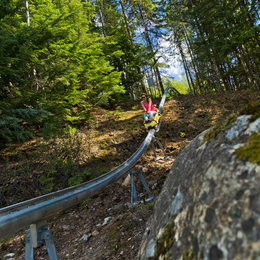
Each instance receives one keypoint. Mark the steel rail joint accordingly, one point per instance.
(21, 215)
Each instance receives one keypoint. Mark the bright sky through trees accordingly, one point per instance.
(174, 67)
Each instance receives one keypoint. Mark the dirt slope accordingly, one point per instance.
(80, 232)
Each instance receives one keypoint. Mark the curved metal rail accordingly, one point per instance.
(21, 215)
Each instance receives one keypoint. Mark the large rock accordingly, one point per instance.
(209, 207)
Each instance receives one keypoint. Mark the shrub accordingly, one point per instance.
(15, 124)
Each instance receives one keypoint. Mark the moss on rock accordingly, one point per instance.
(214, 132)
(252, 109)
(165, 241)
(251, 151)
(188, 255)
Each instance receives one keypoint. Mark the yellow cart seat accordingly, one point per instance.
(156, 119)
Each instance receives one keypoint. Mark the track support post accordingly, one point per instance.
(155, 139)
(34, 238)
(133, 172)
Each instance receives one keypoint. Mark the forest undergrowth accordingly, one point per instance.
(41, 165)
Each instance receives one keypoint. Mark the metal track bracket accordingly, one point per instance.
(155, 139)
(35, 236)
(133, 172)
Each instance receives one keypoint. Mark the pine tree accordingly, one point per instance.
(13, 122)
(57, 63)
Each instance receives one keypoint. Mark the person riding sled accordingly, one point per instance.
(148, 107)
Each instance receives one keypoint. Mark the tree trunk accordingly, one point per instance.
(126, 23)
(193, 60)
(186, 68)
(151, 48)
(101, 17)
(131, 40)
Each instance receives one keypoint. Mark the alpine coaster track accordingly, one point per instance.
(35, 211)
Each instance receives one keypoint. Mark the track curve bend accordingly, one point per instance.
(21, 215)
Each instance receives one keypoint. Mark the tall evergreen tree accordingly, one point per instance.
(221, 42)
(58, 62)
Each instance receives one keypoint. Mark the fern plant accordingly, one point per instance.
(13, 121)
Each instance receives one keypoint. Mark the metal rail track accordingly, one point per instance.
(21, 215)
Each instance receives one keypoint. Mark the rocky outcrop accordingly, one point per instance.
(209, 207)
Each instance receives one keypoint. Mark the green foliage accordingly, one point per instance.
(118, 112)
(217, 42)
(124, 151)
(66, 170)
(79, 177)
(208, 116)
(47, 181)
(6, 240)
(57, 63)
(135, 107)
(148, 206)
(52, 131)
(15, 123)
(182, 134)
(86, 201)
(64, 143)
(12, 130)
(62, 150)
(181, 86)
(125, 56)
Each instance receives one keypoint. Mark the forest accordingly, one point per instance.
(61, 58)
(71, 77)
